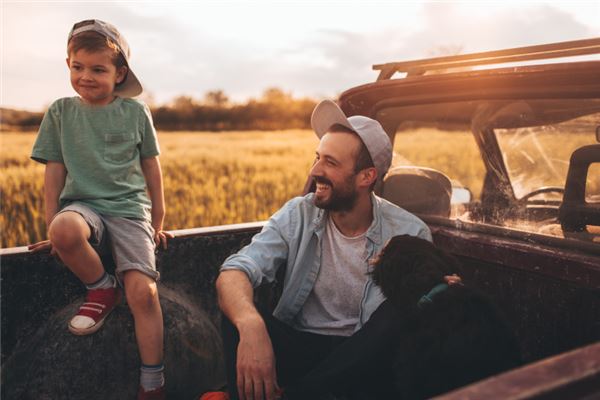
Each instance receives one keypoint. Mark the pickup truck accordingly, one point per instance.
(528, 235)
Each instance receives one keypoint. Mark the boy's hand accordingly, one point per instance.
(42, 246)
(160, 238)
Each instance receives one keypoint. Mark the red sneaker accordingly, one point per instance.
(156, 394)
(92, 313)
(214, 396)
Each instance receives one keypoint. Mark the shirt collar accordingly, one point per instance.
(374, 231)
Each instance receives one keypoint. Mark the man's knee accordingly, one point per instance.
(68, 230)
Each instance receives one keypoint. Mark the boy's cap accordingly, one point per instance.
(131, 86)
(327, 113)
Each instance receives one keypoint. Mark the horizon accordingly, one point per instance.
(306, 49)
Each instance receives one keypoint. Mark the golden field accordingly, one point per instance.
(209, 178)
(223, 178)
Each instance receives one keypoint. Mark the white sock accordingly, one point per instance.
(152, 377)
(106, 281)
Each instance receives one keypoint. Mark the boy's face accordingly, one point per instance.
(94, 75)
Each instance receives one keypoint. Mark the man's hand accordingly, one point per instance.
(453, 279)
(256, 376)
(41, 246)
(255, 364)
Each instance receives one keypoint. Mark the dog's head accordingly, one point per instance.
(409, 267)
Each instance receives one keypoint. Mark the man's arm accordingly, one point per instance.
(153, 176)
(255, 364)
(251, 266)
(54, 182)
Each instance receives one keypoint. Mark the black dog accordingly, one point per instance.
(451, 335)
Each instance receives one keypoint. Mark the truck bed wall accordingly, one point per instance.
(549, 314)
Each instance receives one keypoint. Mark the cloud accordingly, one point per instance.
(498, 28)
(348, 56)
(244, 55)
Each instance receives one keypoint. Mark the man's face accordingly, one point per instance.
(333, 171)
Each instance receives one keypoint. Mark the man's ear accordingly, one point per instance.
(121, 74)
(368, 176)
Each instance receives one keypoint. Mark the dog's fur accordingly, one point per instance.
(457, 339)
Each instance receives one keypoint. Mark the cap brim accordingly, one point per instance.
(325, 115)
(131, 87)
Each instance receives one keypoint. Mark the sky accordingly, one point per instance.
(307, 48)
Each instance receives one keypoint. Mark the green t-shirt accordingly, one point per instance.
(101, 148)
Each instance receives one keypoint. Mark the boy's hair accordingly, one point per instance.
(93, 41)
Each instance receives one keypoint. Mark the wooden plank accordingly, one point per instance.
(573, 375)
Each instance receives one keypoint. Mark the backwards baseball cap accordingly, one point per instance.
(131, 86)
(327, 113)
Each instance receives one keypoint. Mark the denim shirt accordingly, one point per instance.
(292, 238)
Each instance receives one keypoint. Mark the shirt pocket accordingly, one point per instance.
(119, 147)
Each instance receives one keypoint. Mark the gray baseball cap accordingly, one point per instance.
(131, 86)
(327, 113)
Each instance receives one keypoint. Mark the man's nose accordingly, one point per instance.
(315, 170)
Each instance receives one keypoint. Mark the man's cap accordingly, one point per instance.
(131, 86)
(327, 113)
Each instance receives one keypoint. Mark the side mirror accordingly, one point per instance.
(598, 134)
(461, 195)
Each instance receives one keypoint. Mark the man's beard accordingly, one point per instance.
(341, 199)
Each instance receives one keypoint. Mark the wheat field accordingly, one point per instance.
(223, 178)
(209, 178)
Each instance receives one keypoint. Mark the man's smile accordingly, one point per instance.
(322, 185)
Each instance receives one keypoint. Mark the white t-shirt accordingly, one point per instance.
(333, 306)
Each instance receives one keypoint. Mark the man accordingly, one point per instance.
(324, 241)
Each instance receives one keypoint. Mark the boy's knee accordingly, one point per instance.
(141, 292)
(68, 230)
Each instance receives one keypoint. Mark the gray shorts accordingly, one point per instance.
(129, 240)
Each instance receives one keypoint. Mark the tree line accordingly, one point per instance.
(274, 109)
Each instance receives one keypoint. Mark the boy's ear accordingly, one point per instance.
(121, 74)
(68, 62)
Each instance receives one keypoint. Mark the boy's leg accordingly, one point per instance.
(142, 296)
(132, 245)
(69, 234)
(76, 233)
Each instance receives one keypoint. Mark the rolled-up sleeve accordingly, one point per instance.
(425, 233)
(268, 250)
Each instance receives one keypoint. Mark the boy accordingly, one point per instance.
(101, 155)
